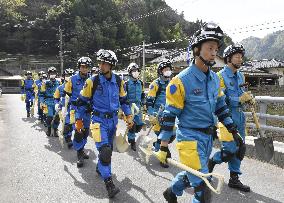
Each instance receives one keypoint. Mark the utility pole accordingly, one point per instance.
(144, 68)
(61, 49)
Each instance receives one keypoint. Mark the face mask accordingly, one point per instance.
(52, 76)
(167, 73)
(135, 74)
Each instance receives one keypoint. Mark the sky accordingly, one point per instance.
(235, 16)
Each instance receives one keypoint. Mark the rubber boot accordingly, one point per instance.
(110, 187)
(211, 165)
(48, 133)
(55, 132)
(132, 144)
(69, 142)
(85, 156)
(234, 182)
(170, 196)
(80, 157)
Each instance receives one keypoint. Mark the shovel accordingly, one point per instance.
(263, 145)
(121, 142)
(145, 140)
(63, 112)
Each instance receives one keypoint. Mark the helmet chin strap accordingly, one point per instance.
(104, 73)
(236, 66)
(207, 63)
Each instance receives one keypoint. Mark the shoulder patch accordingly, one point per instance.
(173, 88)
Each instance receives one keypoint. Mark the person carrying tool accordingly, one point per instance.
(106, 93)
(157, 97)
(27, 92)
(48, 88)
(39, 94)
(59, 95)
(232, 83)
(194, 96)
(136, 95)
(72, 88)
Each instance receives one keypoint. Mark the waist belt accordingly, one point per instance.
(74, 103)
(48, 97)
(107, 115)
(209, 131)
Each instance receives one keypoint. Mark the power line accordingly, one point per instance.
(257, 25)
(151, 13)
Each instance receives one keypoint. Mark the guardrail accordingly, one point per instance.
(263, 101)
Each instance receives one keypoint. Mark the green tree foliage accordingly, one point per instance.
(32, 26)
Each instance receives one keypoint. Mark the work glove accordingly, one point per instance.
(57, 107)
(153, 120)
(129, 121)
(240, 143)
(246, 97)
(23, 96)
(79, 125)
(163, 154)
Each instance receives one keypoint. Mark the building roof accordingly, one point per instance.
(266, 63)
(250, 70)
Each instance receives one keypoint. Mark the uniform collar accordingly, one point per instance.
(199, 74)
(163, 81)
(103, 78)
(229, 71)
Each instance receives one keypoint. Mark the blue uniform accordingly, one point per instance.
(27, 88)
(230, 84)
(135, 94)
(156, 97)
(106, 100)
(72, 88)
(196, 99)
(59, 95)
(39, 99)
(48, 89)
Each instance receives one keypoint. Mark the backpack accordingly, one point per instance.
(96, 82)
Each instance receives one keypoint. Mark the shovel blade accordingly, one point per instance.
(121, 143)
(264, 148)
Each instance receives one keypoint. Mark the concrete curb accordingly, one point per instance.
(278, 157)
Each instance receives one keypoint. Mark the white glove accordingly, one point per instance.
(57, 107)
(64, 111)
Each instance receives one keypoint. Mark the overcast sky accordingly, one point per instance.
(236, 14)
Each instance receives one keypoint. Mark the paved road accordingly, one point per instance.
(34, 168)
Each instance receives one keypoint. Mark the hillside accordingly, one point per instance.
(271, 46)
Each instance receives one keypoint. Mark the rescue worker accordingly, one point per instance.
(136, 95)
(106, 92)
(41, 100)
(28, 92)
(59, 96)
(232, 82)
(194, 96)
(39, 95)
(72, 88)
(48, 89)
(157, 97)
